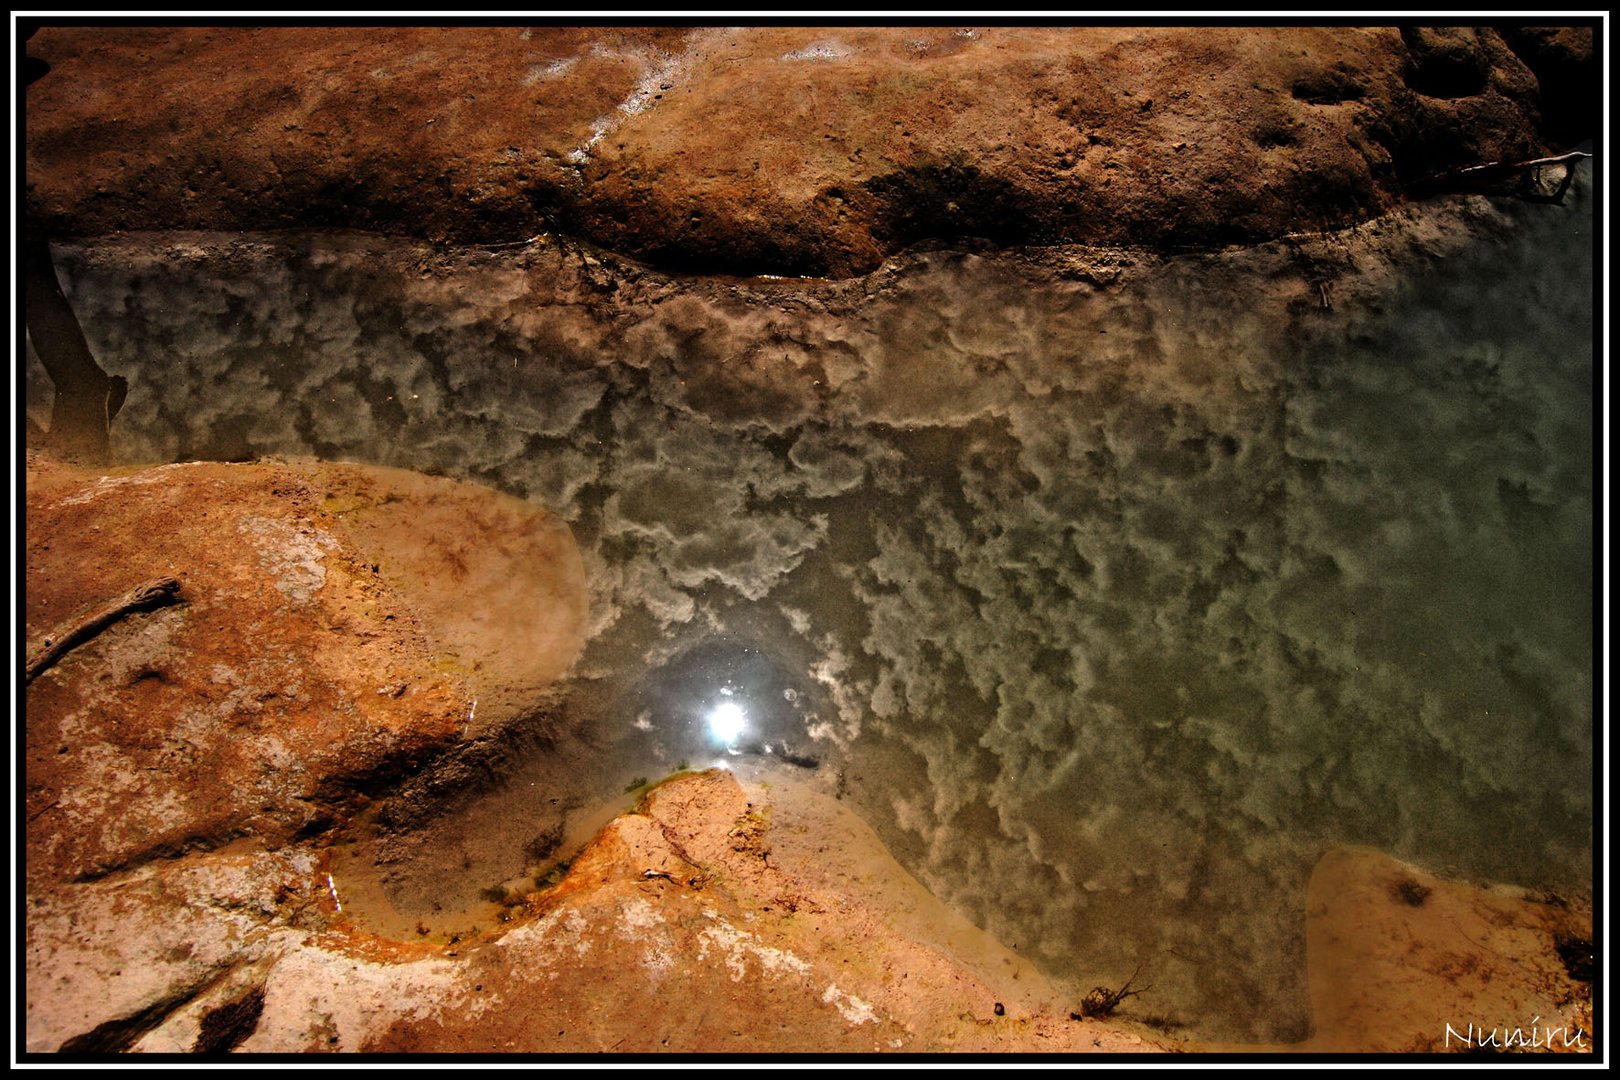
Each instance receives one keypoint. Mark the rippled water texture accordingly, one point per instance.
(1111, 590)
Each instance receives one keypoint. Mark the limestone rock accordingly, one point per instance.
(1404, 961)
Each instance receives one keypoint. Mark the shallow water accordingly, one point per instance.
(1112, 591)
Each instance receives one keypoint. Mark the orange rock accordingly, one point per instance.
(813, 151)
(315, 656)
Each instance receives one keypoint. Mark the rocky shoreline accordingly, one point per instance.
(780, 916)
(272, 695)
(795, 151)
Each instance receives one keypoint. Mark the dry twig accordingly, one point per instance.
(1517, 178)
(152, 594)
(1103, 1001)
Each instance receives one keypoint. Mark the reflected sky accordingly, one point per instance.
(1112, 591)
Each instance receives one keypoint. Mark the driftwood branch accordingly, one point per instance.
(1535, 163)
(1526, 173)
(152, 594)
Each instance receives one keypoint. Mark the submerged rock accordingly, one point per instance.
(1148, 509)
(1405, 961)
(728, 913)
(725, 915)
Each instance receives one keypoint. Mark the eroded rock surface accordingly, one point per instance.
(784, 150)
(184, 766)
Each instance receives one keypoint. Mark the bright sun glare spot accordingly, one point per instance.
(726, 721)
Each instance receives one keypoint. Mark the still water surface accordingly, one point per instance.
(1112, 591)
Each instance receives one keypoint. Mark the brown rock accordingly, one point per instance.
(785, 150)
(730, 913)
(1403, 961)
(1397, 954)
(313, 658)
(668, 935)
(497, 583)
